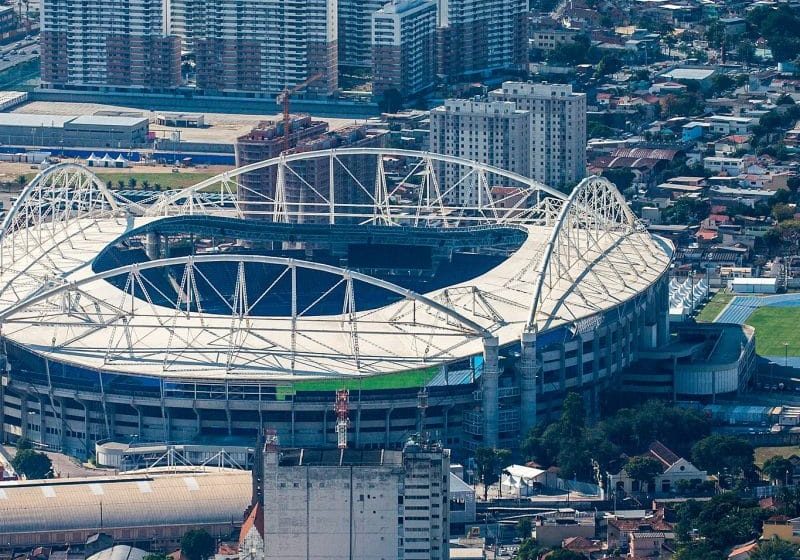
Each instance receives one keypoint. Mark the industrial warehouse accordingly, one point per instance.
(357, 299)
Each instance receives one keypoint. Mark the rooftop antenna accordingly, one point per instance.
(422, 405)
(342, 408)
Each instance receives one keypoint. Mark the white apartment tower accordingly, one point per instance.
(355, 31)
(496, 133)
(262, 45)
(558, 129)
(120, 43)
(404, 46)
(479, 35)
(329, 504)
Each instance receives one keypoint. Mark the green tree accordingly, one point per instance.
(745, 52)
(156, 556)
(698, 551)
(782, 212)
(197, 544)
(132, 183)
(21, 180)
(643, 468)
(33, 464)
(530, 550)
(563, 554)
(524, 528)
(622, 177)
(391, 101)
(489, 461)
(775, 549)
(718, 453)
(778, 468)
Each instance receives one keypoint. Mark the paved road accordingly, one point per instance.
(67, 467)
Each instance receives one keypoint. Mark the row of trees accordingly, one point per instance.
(572, 444)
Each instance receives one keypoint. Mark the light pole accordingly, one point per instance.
(785, 354)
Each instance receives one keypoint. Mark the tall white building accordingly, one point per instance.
(355, 31)
(125, 43)
(496, 133)
(404, 46)
(239, 45)
(478, 35)
(558, 129)
(329, 504)
(261, 45)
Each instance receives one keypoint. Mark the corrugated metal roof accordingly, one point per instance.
(101, 120)
(24, 119)
(126, 501)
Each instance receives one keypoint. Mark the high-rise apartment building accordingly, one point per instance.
(478, 35)
(404, 46)
(496, 133)
(105, 43)
(262, 45)
(330, 504)
(355, 31)
(239, 45)
(558, 129)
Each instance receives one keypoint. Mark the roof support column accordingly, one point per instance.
(489, 386)
(528, 371)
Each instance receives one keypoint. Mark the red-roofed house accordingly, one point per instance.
(676, 469)
(251, 539)
(743, 551)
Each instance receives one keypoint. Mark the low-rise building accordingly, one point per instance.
(352, 503)
(676, 469)
(550, 529)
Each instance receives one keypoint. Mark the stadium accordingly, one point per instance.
(211, 313)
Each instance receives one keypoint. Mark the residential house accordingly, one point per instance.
(782, 527)
(676, 469)
(619, 529)
(743, 551)
(251, 539)
(551, 528)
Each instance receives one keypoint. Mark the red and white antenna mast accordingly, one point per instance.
(342, 408)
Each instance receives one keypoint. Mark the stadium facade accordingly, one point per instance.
(176, 319)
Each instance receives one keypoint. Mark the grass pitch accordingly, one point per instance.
(774, 327)
(714, 307)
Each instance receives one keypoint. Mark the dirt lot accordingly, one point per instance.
(220, 127)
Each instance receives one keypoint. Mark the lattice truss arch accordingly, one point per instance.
(599, 254)
(128, 327)
(379, 200)
(63, 204)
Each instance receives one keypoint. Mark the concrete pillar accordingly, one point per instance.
(527, 382)
(489, 386)
(3, 381)
(153, 245)
(388, 426)
(23, 415)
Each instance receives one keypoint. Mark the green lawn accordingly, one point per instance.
(405, 380)
(764, 453)
(165, 180)
(775, 326)
(714, 306)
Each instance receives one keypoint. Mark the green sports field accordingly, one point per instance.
(714, 306)
(404, 380)
(774, 327)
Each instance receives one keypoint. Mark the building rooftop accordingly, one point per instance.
(102, 120)
(688, 73)
(43, 506)
(340, 457)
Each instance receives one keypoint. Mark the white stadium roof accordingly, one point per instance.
(583, 255)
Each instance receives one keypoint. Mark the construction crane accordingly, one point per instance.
(342, 409)
(284, 99)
